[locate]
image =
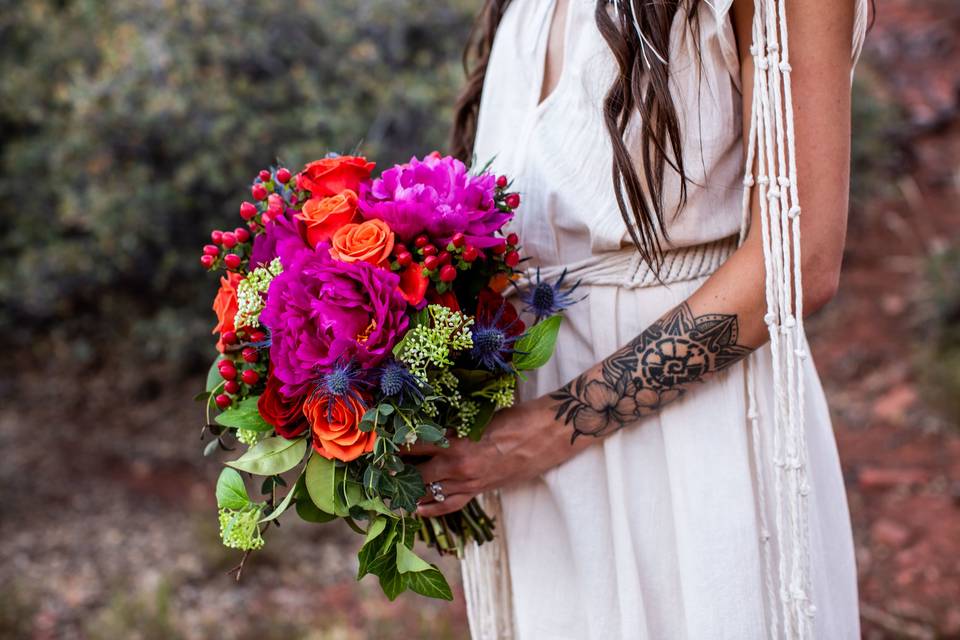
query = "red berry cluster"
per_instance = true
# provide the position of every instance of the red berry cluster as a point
(271, 197)
(240, 367)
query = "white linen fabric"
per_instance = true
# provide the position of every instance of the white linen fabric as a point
(655, 531)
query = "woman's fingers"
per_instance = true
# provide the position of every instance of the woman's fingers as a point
(451, 504)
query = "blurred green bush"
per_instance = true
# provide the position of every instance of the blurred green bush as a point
(130, 129)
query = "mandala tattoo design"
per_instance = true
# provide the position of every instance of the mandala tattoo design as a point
(654, 369)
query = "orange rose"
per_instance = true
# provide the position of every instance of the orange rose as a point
(330, 176)
(370, 241)
(225, 305)
(323, 216)
(334, 423)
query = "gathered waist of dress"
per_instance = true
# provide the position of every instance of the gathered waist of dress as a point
(627, 269)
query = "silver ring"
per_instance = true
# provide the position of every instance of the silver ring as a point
(437, 490)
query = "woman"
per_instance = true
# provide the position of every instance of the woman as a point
(641, 478)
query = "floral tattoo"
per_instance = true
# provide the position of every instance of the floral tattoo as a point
(651, 371)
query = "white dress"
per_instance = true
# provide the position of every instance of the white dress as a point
(655, 531)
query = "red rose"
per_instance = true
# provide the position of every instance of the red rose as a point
(330, 176)
(413, 284)
(447, 299)
(284, 414)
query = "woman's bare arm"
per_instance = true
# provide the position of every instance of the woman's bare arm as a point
(721, 322)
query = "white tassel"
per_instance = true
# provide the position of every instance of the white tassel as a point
(486, 581)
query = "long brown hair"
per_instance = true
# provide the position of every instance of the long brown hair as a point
(641, 86)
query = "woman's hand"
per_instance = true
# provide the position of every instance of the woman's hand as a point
(519, 444)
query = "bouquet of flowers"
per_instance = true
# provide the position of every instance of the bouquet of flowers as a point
(356, 316)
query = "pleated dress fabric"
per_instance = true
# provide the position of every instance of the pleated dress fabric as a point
(655, 531)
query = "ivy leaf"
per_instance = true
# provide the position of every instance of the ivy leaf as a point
(407, 489)
(430, 583)
(245, 416)
(271, 456)
(320, 479)
(231, 492)
(535, 347)
(349, 493)
(371, 479)
(409, 562)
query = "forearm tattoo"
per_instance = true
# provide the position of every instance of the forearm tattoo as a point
(651, 371)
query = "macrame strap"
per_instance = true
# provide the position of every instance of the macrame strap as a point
(771, 148)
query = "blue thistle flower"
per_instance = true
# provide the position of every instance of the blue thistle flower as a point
(493, 339)
(397, 381)
(544, 299)
(342, 380)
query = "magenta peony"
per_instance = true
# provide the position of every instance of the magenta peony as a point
(321, 312)
(436, 196)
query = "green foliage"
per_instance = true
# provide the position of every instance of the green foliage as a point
(245, 416)
(535, 347)
(133, 128)
(271, 456)
(938, 357)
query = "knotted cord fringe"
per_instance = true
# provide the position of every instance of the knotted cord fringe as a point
(771, 145)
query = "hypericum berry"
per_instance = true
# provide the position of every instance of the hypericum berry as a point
(228, 373)
(470, 253)
(265, 175)
(513, 200)
(248, 210)
(502, 182)
(445, 257)
(232, 387)
(259, 192)
(241, 234)
(257, 336)
(250, 377)
(207, 261)
(512, 259)
(283, 175)
(223, 400)
(232, 261)
(252, 225)
(448, 273)
(458, 240)
(216, 236)
(500, 249)
(211, 249)
(250, 354)
(431, 262)
(513, 239)
(404, 259)
(229, 240)
(399, 248)
(224, 363)
(429, 250)
(421, 242)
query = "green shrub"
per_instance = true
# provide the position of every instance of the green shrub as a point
(130, 129)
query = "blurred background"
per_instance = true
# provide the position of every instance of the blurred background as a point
(129, 129)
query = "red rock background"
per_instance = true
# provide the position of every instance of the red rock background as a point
(104, 534)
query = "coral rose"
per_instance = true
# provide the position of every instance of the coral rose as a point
(225, 305)
(285, 414)
(370, 241)
(322, 217)
(330, 176)
(334, 422)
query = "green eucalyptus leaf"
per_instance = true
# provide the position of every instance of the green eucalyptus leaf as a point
(400, 435)
(320, 479)
(214, 379)
(309, 512)
(430, 433)
(211, 447)
(245, 415)
(483, 418)
(535, 347)
(430, 583)
(280, 508)
(231, 492)
(271, 456)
